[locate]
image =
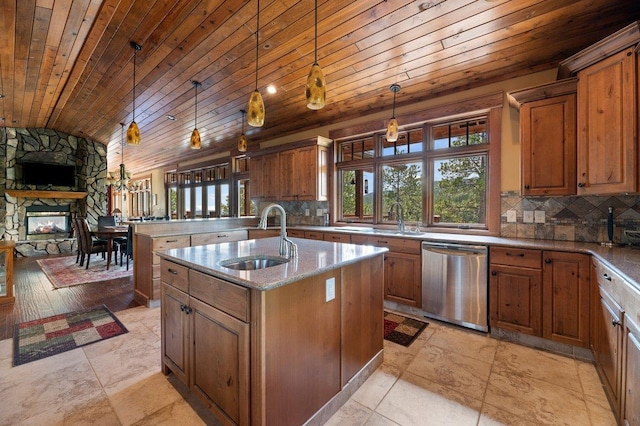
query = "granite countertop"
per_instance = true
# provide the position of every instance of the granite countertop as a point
(625, 260)
(314, 257)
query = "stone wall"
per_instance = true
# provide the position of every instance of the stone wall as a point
(46, 145)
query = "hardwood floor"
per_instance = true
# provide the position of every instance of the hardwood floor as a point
(36, 298)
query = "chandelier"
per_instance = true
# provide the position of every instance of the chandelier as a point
(121, 180)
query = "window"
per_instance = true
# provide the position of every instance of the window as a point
(436, 173)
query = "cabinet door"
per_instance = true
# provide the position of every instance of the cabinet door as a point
(548, 136)
(402, 280)
(631, 390)
(607, 150)
(306, 173)
(606, 343)
(516, 299)
(255, 177)
(175, 332)
(219, 373)
(289, 185)
(270, 177)
(565, 309)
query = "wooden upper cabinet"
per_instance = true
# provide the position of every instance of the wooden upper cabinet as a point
(299, 174)
(548, 137)
(607, 120)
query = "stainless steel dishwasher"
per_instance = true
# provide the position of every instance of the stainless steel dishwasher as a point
(454, 284)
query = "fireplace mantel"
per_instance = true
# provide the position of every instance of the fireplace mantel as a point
(20, 193)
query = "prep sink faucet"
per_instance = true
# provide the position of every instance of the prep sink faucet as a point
(288, 248)
(400, 215)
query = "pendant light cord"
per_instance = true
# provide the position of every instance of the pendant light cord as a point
(394, 104)
(135, 53)
(196, 117)
(315, 57)
(257, 43)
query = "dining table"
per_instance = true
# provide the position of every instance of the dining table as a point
(108, 233)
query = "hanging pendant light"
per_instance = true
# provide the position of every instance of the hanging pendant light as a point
(255, 108)
(133, 132)
(316, 88)
(195, 135)
(242, 142)
(392, 128)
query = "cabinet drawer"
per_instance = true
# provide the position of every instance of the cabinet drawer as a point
(218, 237)
(174, 275)
(265, 233)
(524, 258)
(400, 245)
(314, 235)
(295, 233)
(608, 279)
(230, 298)
(337, 237)
(171, 242)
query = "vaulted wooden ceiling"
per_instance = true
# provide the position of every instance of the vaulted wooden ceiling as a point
(68, 64)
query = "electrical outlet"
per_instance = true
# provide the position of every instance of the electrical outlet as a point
(318, 212)
(306, 212)
(527, 216)
(330, 289)
(511, 216)
(538, 216)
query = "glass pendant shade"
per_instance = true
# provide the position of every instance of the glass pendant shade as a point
(255, 110)
(242, 143)
(316, 89)
(133, 134)
(195, 143)
(392, 130)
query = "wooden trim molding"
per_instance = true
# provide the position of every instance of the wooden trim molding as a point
(452, 109)
(20, 193)
(544, 91)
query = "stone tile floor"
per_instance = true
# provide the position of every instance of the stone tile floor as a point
(448, 376)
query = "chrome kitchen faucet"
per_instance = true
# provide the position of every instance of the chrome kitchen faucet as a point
(288, 248)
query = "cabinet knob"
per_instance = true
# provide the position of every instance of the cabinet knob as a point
(615, 322)
(172, 271)
(547, 261)
(606, 277)
(581, 185)
(527, 187)
(494, 273)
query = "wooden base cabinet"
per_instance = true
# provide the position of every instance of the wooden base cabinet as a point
(631, 380)
(565, 297)
(548, 300)
(205, 347)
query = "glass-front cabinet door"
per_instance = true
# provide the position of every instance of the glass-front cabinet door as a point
(6, 271)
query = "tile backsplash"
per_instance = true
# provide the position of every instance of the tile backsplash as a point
(569, 218)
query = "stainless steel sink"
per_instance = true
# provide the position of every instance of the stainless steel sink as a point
(253, 262)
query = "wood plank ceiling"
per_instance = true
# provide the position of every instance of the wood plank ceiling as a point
(68, 64)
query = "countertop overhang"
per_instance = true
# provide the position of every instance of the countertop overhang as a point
(314, 257)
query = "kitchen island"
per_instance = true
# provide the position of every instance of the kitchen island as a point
(283, 345)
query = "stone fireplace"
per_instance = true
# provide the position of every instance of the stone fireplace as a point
(38, 217)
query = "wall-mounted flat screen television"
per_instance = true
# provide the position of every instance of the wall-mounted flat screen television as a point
(48, 174)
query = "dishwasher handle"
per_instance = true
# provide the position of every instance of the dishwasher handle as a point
(454, 249)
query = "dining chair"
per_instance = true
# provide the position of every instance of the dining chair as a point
(87, 244)
(104, 221)
(125, 245)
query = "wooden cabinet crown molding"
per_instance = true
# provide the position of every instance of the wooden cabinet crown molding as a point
(543, 91)
(626, 37)
(318, 140)
(21, 193)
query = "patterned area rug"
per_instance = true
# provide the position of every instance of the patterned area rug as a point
(64, 272)
(400, 329)
(41, 338)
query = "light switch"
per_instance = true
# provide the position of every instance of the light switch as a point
(511, 216)
(318, 212)
(527, 216)
(331, 289)
(538, 216)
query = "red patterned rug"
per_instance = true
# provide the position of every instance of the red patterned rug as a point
(400, 329)
(64, 272)
(41, 338)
